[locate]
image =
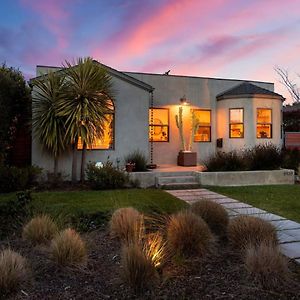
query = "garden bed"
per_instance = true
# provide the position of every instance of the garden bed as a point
(220, 276)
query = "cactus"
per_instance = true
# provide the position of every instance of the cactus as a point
(194, 127)
(179, 124)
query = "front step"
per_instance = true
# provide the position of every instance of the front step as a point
(180, 186)
(180, 181)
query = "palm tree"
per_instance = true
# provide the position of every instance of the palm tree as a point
(47, 126)
(85, 104)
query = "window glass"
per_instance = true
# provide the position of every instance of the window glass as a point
(159, 127)
(236, 123)
(107, 141)
(203, 118)
(264, 123)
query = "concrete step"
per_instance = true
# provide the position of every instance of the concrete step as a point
(171, 174)
(175, 179)
(179, 186)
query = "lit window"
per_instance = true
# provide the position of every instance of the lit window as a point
(203, 119)
(264, 123)
(107, 140)
(159, 124)
(236, 123)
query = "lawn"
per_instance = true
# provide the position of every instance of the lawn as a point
(89, 202)
(283, 200)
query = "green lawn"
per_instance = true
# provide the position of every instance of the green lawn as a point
(283, 200)
(88, 202)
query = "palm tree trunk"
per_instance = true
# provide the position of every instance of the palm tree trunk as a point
(83, 157)
(74, 163)
(55, 166)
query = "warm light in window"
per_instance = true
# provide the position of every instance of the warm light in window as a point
(203, 133)
(236, 123)
(159, 127)
(264, 123)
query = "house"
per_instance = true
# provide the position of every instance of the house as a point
(231, 114)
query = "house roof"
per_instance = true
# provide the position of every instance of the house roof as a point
(248, 90)
(115, 73)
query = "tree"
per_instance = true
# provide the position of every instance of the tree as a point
(15, 104)
(85, 104)
(48, 127)
(289, 84)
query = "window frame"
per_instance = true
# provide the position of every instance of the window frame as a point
(271, 124)
(113, 128)
(243, 124)
(204, 109)
(164, 125)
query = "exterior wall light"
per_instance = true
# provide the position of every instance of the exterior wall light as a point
(184, 101)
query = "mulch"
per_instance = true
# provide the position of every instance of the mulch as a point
(221, 275)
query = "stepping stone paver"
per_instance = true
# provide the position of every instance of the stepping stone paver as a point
(288, 231)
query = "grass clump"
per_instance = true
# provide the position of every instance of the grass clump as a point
(244, 231)
(139, 160)
(40, 229)
(127, 224)
(214, 214)
(68, 249)
(13, 271)
(188, 235)
(266, 265)
(138, 268)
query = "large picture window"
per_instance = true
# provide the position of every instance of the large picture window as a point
(159, 125)
(264, 123)
(107, 141)
(236, 123)
(203, 133)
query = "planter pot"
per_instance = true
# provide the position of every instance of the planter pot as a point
(187, 159)
(129, 167)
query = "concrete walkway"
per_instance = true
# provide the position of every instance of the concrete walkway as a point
(288, 231)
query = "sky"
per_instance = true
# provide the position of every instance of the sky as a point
(240, 39)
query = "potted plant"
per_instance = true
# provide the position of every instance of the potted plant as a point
(186, 157)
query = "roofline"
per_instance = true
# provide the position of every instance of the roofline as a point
(258, 95)
(201, 77)
(114, 72)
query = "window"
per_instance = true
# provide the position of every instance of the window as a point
(264, 123)
(159, 124)
(236, 123)
(203, 119)
(107, 141)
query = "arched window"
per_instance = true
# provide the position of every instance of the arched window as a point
(107, 141)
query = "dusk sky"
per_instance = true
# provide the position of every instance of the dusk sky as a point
(241, 39)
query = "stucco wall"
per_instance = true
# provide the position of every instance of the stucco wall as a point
(131, 130)
(201, 92)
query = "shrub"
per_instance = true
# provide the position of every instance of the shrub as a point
(214, 214)
(14, 212)
(225, 161)
(16, 179)
(105, 177)
(138, 269)
(266, 265)
(291, 159)
(13, 271)
(40, 229)
(68, 249)
(244, 231)
(127, 224)
(139, 159)
(263, 157)
(188, 235)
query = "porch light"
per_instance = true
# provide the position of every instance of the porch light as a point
(184, 101)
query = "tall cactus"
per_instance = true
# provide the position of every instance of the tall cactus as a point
(179, 124)
(194, 127)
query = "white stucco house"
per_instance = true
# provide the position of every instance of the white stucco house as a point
(236, 113)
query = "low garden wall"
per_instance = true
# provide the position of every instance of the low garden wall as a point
(239, 178)
(236, 178)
